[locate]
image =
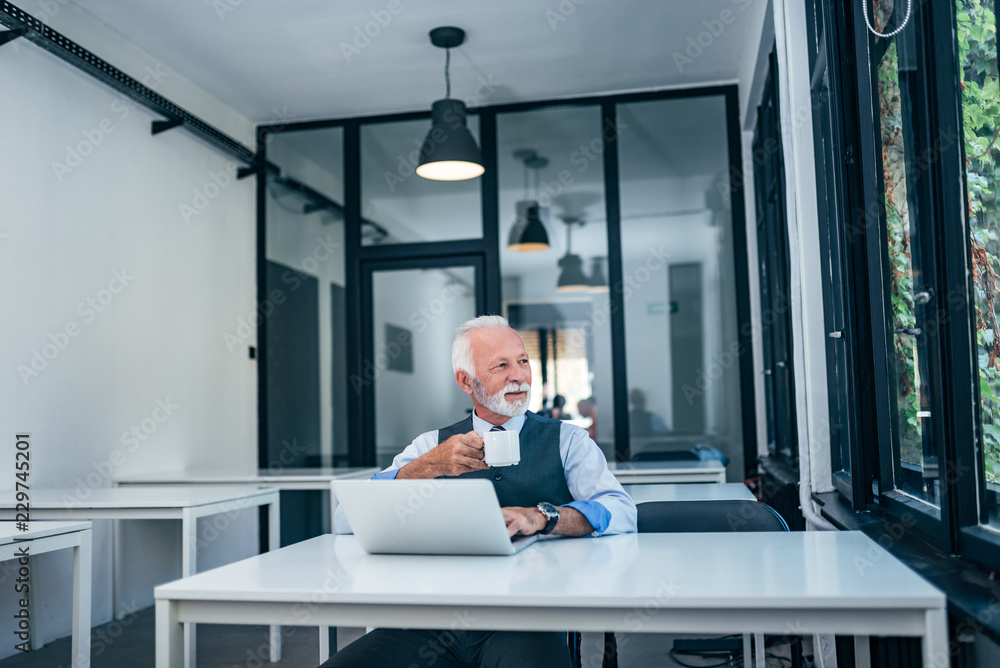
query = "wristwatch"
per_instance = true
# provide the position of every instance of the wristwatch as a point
(551, 514)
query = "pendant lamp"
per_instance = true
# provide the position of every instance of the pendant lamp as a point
(528, 232)
(449, 152)
(597, 282)
(571, 278)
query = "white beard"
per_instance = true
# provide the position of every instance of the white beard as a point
(498, 403)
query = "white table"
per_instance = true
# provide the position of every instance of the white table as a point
(160, 502)
(42, 537)
(658, 472)
(692, 491)
(781, 583)
(280, 478)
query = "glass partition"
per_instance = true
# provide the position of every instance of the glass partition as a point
(681, 327)
(304, 305)
(397, 206)
(550, 166)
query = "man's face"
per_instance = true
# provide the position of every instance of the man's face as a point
(503, 374)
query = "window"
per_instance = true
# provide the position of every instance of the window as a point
(977, 53)
(773, 260)
(906, 130)
(906, 249)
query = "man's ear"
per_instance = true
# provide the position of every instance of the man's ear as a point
(464, 381)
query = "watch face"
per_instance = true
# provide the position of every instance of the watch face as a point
(551, 512)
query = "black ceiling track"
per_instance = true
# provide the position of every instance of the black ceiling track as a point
(57, 44)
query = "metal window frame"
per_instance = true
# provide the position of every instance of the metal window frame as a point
(358, 257)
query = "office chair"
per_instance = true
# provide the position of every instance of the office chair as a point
(702, 517)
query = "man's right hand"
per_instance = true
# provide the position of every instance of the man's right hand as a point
(459, 454)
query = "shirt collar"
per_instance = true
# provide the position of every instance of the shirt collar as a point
(482, 426)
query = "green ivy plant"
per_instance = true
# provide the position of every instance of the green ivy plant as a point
(900, 261)
(977, 50)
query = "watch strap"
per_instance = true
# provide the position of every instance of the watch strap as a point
(551, 512)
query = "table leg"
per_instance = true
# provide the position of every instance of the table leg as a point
(935, 643)
(274, 540)
(82, 573)
(862, 652)
(116, 564)
(324, 643)
(189, 566)
(760, 650)
(747, 650)
(169, 636)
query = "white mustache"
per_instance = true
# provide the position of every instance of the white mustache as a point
(516, 387)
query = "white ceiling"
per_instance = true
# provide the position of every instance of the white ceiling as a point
(262, 55)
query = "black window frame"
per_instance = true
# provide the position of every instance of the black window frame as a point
(360, 425)
(953, 382)
(774, 261)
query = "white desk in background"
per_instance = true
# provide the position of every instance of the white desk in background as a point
(797, 582)
(633, 473)
(283, 479)
(41, 537)
(159, 502)
(692, 491)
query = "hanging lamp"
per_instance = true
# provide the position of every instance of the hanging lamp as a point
(571, 278)
(528, 232)
(449, 152)
(597, 282)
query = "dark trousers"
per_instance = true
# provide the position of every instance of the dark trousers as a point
(418, 648)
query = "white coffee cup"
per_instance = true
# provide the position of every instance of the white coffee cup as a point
(502, 448)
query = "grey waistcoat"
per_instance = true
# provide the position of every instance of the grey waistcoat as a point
(540, 475)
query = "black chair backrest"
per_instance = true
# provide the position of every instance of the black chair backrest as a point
(665, 456)
(708, 516)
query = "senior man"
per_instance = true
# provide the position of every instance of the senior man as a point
(562, 486)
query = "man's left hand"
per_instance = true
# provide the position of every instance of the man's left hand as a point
(530, 521)
(527, 521)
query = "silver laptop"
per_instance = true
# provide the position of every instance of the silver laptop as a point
(427, 517)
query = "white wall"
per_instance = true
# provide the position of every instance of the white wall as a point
(108, 226)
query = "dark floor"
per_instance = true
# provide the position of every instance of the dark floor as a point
(129, 644)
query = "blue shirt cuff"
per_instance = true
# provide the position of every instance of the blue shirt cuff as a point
(385, 475)
(598, 516)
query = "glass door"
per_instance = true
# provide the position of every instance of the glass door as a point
(412, 310)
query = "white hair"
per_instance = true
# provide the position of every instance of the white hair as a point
(461, 347)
